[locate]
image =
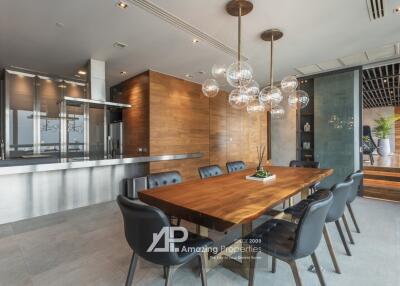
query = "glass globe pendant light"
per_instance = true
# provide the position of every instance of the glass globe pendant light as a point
(210, 87)
(289, 84)
(271, 95)
(238, 98)
(298, 99)
(277, 112)
(218, 71)
(253, 89)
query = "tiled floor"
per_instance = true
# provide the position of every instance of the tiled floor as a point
(87, 247)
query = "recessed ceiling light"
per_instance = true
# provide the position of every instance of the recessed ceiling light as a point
(77, 75)
(188, 75)
(60, 25)
(122, 5)
(82, 72)
(195, 41)
(384, 80)
(397, 10)
(123, 73)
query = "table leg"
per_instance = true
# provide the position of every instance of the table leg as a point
(203, 231)
(304, 193)
(242, 267)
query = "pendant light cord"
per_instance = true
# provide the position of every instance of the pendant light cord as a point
(271, 70)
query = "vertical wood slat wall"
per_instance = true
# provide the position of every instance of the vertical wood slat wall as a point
(397, 131)
(171, 116)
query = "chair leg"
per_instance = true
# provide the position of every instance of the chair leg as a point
(252, 268)
(371, 159)
(165, 268)
(295, 272)
(170, 273)
(273, 265)
(203, 272)
(346, 226)
(132, 267)
(318, 269)
(330, 249)
(346, 247)
(178, 222)
(353, 218)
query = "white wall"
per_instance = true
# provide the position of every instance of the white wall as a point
(283, 138)
(370, 114)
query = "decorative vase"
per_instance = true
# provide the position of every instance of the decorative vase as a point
(384, 147)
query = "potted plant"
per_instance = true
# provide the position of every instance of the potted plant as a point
(382, 130)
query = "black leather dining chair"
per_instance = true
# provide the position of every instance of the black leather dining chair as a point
(288, 241)
(210, 171)
(156, 180)
(336, 212)
(141, 223)
(368, 143)
(303, 164)
(235, 166)
(358, 177)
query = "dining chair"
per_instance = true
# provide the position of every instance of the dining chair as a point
(288, 241)
(156, 180)
(303, 164)
(336, 212)
(235, 166)
(141, 224)
(210, 171)
(358, 177)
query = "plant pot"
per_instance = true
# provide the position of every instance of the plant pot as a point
(384, 147)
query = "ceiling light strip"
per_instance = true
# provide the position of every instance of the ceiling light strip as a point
(180, 24)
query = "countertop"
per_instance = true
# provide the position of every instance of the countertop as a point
(20, 166)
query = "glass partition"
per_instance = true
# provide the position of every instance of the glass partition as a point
(21, 90)
(49, 93)
(336, 121)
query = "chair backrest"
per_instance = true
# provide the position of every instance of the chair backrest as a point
(367, 133)
(357, 177)
(311, 224)
(235, 166)
(210, 171)
(141, 222)
(163, 179)
(304, 164)
(340, 194)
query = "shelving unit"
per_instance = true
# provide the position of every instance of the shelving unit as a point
(304, 116)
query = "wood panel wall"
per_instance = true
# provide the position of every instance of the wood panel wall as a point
(181, 120)
(135, 91)
(397, 131)
(179, 123)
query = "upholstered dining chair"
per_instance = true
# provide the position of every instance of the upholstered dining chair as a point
(303, 164)
(235, 166)
(141, 222)
(288, 241)
(336, 212)
(210, 171)
(156, 180)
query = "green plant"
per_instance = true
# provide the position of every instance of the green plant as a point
(384, 126)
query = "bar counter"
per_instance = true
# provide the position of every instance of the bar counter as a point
(35, 187)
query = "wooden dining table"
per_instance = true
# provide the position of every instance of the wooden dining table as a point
(223, 202)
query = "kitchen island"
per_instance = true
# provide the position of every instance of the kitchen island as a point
(42, 186)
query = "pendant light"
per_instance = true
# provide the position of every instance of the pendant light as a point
(239, 74)
(271, 95)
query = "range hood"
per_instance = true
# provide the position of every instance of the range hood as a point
(96, 88)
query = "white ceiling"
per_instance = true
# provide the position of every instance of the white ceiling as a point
(316, 32)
